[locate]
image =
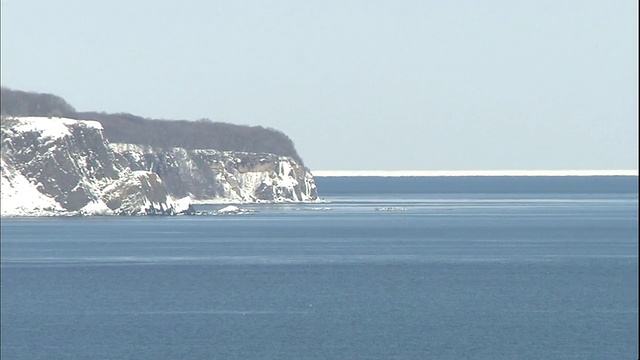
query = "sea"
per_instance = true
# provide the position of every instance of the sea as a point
(479, 267)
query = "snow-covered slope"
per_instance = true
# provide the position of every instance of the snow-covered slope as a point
(19, 196)
(54, 165)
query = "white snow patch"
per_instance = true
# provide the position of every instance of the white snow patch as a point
(233, 210)
(51, 127)
(181, 205)
(249, 182)
(19, 197)
(96, 208)
(284, 178)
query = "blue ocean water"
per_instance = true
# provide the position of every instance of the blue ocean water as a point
(387, 268)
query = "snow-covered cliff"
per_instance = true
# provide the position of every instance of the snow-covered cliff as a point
(56, 165)
(215, 176)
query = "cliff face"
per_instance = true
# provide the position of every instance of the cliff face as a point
(67, 166)
(210, 175)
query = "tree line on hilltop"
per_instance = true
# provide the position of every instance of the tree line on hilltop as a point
(128, 128)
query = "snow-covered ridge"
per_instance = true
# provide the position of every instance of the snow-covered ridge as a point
(54, 166)
(51, 127)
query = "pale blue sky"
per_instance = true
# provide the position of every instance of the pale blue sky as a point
(357, 85)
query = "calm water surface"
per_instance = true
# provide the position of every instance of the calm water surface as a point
(371, 274)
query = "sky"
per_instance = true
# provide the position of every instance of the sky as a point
(357, 85)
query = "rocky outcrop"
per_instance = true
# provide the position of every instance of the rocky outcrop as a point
(67, 166)
(138, 191)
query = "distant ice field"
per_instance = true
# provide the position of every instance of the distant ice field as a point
(452, 187)
(398, 173)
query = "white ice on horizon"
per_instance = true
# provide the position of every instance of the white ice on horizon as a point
(407, 173)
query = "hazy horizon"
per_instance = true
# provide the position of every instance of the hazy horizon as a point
(396, 86)
(408, 173)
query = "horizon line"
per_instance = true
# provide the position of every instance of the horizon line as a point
(409, 173)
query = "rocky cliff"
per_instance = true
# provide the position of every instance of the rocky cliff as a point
(57, 165)
(210, 175)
